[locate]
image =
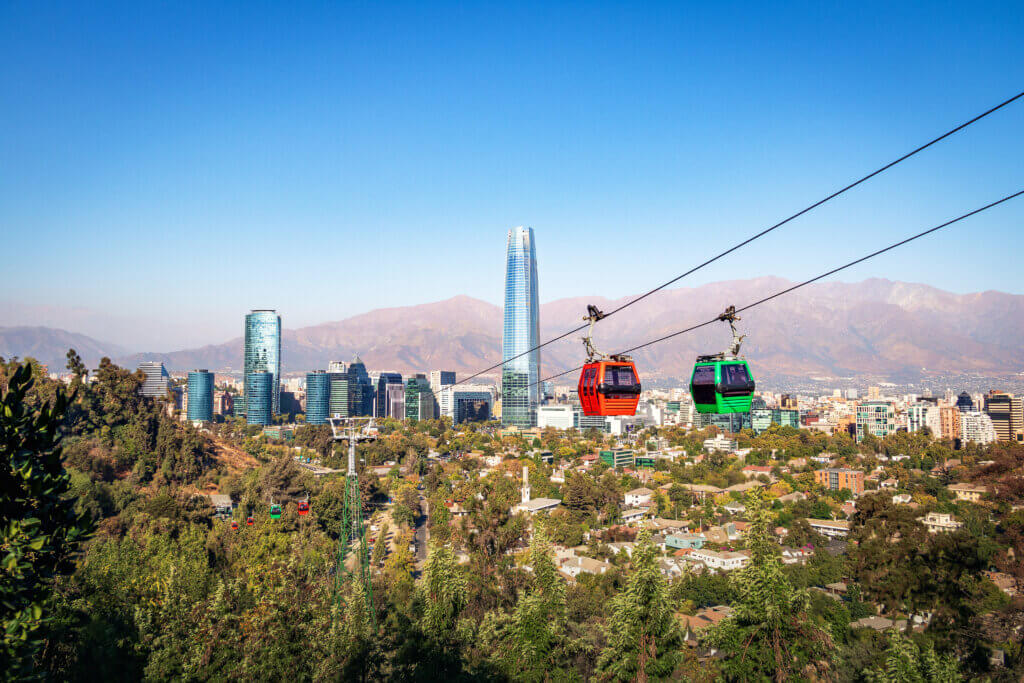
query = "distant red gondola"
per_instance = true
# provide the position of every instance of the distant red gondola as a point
(249, 521)
(609, 385)
(303, 507)
(234, 525)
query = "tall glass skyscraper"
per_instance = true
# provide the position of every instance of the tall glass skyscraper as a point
(381, 398)
(200, 396)
(263, 351)
(318, 397)
(520, 392)
(259, 402)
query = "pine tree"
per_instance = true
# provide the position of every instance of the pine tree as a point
(443, 592)
(770, 634)
(644, 636)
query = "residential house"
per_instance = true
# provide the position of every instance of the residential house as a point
(938, 522)
(969, 492)
(832, 528)
(639, 497)
(677, 541)
(720, 560)
(574, 566)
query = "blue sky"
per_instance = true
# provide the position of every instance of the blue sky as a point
(164, 167)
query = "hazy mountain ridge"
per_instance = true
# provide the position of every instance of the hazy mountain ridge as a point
(838, 329)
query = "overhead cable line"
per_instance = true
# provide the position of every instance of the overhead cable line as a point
(806, 282)
(755, 236)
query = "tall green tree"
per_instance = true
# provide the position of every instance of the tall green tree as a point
(644, 637)
(770, 634)
(39, 528)
(538, 621)
(905, 662)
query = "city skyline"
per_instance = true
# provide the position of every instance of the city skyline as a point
(139, 161)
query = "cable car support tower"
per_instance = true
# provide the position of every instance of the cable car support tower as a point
(352, 539)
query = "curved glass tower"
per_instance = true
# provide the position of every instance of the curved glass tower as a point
(520, 393)
(200, 396)
(259, 401)
(263, 351)
(318, 397)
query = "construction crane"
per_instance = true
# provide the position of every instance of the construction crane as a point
(353, 536)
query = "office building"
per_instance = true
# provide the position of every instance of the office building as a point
(520, 393)
(977, 427)
(337, 367)
(318, 397)
(360, 389)
(157, 379)
(263, 351)
(395, 401)
(467, 402)
(964, 403)
(877, 418)
(559, 417)
(839, 479)
(200, 396)
(260, 398)
(1006, 413)
(341, 401)
(441, 378)
(419, 400)
(617, 458)
(380, 400)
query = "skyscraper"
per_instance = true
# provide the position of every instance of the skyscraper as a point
(520, 393)
(260, 398)
(156, 382)
(318, 397)
(200, 396)
(360, 389)
(381, 398)
(263, 351)
(441, 378)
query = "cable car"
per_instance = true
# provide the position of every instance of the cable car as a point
(275, 511)
(234, 525)
(249, 521)
(304, 507)
(609, 385)
(722, 382)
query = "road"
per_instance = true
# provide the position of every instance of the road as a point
(422, 534)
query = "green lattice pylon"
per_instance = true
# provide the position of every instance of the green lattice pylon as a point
(353, 541)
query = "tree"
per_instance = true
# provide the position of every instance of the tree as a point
(39, 528)
(643, 635)
(443, 593)
(770, 634)
(539, 617)
(906, 663)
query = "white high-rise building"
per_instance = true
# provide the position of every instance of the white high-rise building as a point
(923, 415)
(977, 427)
(464, 402)
(440, 379)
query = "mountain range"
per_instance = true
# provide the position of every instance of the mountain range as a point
(875, 327)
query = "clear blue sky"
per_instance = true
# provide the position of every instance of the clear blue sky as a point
(164, 167)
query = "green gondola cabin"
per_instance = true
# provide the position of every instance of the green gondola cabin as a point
(721, 385)
(275, 511)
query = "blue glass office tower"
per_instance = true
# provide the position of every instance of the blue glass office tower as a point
(263, 351)
(381, 401)
(318, 397)
(360, 389)
(259, 400)
(520, 393)
(200, 396)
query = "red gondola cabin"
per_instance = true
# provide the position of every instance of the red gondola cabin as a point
(609, 388)
(303, 507)
(249, 521)
(234, 525)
